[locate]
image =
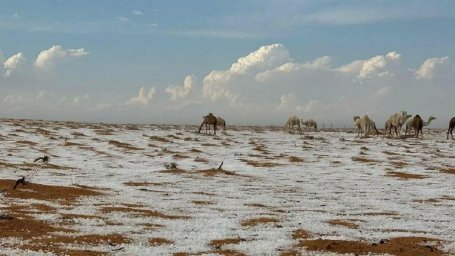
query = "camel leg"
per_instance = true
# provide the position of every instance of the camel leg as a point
(214, 129)
(200, 127)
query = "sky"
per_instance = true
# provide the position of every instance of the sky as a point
(252, 62)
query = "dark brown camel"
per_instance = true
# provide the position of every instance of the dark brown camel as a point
(451, 126)
(417, 125)
(209, 119)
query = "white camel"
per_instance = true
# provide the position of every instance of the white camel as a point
(395, 121)
(293, 120)
(410, 120)
(364, 125)
(310, 123)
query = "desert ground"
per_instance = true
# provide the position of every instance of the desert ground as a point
(166, 190)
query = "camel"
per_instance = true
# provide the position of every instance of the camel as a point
(221, 122)
(410, 120)
(310, 123)
(293, 120)
(396, 121)
(417, 125)
(209, 119)
(451, 126)
(364, 125)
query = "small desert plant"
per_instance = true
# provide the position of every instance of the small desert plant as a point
(172, 165)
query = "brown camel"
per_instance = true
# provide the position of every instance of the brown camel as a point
(209, 119)
(417, 125)
(451, 126)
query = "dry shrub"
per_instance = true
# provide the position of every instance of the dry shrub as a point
(294, 159)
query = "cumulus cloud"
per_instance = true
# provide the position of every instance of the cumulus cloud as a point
(180, 92)
(266, 57)
(321, 63)
(288, 103)
(216, 84)
(13, 63)
(430, 67)
(143, 98)
(49, 58)
(377, 66)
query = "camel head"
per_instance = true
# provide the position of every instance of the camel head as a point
(431, 118)
(403, 112)
(356, 117)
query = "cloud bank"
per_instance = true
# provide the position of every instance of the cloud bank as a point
(263, 87)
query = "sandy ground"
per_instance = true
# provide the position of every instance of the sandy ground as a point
(166, 190)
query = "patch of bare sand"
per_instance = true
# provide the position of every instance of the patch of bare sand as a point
(67, 195)
(344, 223)
(448, 170)
(258, 221)
(158, 241)
(405, 176)
(142, 184)
(260, 163)
(399, 246)
(141, 212)
(123, 145)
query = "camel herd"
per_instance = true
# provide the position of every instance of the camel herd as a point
(364, 124)
(394, 124)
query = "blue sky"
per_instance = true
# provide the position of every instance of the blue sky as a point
(173, 61)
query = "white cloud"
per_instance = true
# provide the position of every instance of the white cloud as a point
(47, 59)
(77, 100)
(123, 19)
(216, 84)
(321, 63)
(180, 92)
(101, 107)
(430, 67)
(12, 63)
(143, 98)
(137, 12)
(264, 58)
(288, 102)
(377, 66)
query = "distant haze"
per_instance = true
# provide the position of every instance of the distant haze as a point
(251, 62)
